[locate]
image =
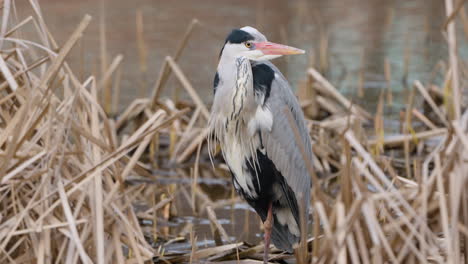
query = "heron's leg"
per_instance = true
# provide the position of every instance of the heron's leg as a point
(267, 225)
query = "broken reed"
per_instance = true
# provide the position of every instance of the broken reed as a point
(68, 172)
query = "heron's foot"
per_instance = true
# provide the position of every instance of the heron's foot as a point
(267, 225)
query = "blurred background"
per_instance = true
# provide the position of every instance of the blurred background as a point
(361, 46)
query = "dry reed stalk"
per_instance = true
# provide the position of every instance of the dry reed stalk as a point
(106, 92)
(165, 71)
(388, 79)
(341, 258)
(395, 140)
(423, 119)
(214, 220)
(116, 92)
(141, 147)
(192, 147)
(464, 21)
(329, 89)
(328, 105)
(379, 126)
(308, 92)
(106, 77)
(323, 51)
(407, 129)
(9, 77)
(98, 189)
(188, 134)
(431, 102)
(452, 47)
(190, 90)
(361, 76)
(142, 51)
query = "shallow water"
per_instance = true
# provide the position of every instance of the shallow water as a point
(360, 37)
(238, 219)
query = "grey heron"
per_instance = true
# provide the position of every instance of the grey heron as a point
(256, 139)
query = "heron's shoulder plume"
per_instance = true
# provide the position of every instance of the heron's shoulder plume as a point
(263, 76)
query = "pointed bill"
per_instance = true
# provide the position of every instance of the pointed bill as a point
(270, 48)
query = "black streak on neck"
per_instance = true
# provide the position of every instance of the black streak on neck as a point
(215, 82)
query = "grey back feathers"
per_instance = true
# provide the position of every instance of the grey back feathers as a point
(280, 144)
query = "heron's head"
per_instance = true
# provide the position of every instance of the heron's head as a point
(250, 43)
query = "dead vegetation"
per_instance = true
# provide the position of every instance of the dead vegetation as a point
(70, 174)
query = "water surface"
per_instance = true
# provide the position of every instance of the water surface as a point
(359, 36)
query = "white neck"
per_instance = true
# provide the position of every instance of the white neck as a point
(227, 68)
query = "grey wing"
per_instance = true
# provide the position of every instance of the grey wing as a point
(280, 144)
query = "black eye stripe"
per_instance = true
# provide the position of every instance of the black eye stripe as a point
(239, 36)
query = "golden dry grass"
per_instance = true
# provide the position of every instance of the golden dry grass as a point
(66, 164)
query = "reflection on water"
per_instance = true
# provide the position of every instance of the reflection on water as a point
(239, 220)
(362, 46)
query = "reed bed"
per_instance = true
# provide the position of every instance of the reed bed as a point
(72, 174)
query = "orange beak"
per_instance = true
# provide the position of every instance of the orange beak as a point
(270, 48)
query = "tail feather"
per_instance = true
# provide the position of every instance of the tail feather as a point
(282, 237)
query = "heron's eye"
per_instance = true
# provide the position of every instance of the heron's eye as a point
(248, 45)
